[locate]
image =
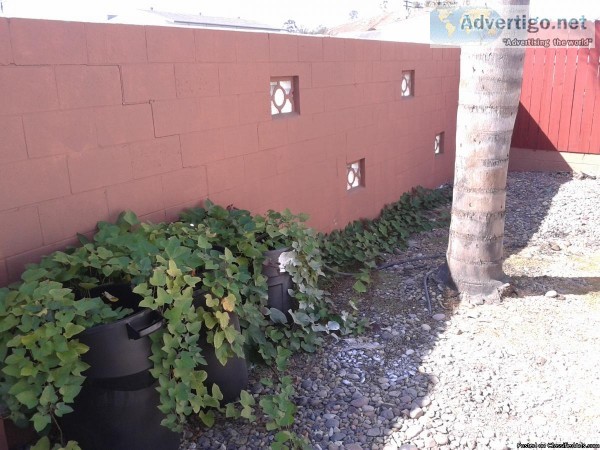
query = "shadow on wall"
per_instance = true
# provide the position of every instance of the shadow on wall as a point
(528, 133)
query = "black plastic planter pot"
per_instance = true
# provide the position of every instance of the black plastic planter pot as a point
(119, 414)
(13, 437)
(117, 408)
(278, 283)
(232, 377)
(121, 348)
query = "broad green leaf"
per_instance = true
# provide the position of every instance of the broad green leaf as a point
(277, 316)
(209, 320)
(272, 426)
(203, 243)
(246, 399)
(266, 382)
(223, 318)
(359, 287)
(104, 253)
(48, 396)
(72, 329)
(33, 274)
(247, 413)
(68, 357)
(231, 411)
(173, 270)
(42, 444)
(8, 322)
(194, 327)
(207, 418)
(163, 297)
(219, 338)
(29, 371)
(40, 422)
(231, 334)
(128, 217)
(191, 281)
(62, 409)
(27, 398)
(228, 255)
(158, 277)
(211, 302)
(222, 354)
(69, 392)
(216, 392)
(282, 436)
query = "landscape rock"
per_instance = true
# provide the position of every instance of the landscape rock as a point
(472, 376)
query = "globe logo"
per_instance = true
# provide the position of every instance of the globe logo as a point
(465, 26)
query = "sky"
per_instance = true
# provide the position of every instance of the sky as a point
(309, 13)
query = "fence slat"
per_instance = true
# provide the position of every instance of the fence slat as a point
(587, 110)
(522, 121)
(560, 100)
(537, 92)
(567, 100)
(578, 99)
(594, 141)
(557, 97)
(542, 139)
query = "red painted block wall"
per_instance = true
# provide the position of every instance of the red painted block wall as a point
(560, 100)
(98, 118)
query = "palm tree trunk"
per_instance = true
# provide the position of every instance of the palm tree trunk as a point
(490, 88)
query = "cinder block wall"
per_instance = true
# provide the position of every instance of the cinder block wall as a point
(98, 118)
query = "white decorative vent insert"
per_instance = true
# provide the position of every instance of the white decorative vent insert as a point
(408, 80)
(284, 95)
(438, 146)
(356, 175)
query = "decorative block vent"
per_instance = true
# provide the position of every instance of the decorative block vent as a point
(284, 95)
(438, 147)
(408, 80)
(356, 175)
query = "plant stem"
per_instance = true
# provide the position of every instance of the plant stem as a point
(60, 432)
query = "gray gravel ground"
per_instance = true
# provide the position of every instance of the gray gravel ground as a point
(524, 371)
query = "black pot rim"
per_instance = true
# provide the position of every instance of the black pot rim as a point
(103, 327)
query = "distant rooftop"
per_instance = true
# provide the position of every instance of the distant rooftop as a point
(368, 24)
(152, 17)
(413, 29)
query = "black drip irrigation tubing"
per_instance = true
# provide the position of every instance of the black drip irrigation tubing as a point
(426, 288)
(415, 259)
(427, 275)
(397, 263)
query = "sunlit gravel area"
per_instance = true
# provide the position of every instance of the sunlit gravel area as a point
(525, 371)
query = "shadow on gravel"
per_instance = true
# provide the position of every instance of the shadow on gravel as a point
(374, 391)
(390, 392)
(524, 216)
(565, 285)
(379, 390)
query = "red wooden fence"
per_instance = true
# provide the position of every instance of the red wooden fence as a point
(560, 100)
